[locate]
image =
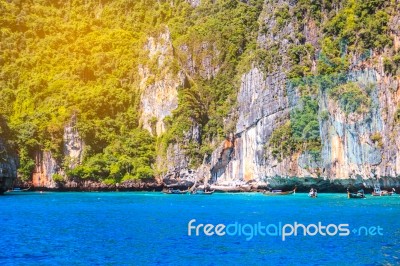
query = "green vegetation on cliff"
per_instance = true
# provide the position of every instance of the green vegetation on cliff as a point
(355, 29)
(300, 134)
(64, 59)
(61, 59)
(351, 98)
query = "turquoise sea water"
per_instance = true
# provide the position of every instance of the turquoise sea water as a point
(152, 228)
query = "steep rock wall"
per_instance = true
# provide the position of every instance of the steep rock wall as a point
(159, 90)
(349, 152)
(46, 165)
(8, 167)
(73, 144)
(177, 162)
(348, 149)
(263, 106)
(200, 59)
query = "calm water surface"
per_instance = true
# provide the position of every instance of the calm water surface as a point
(152, 228)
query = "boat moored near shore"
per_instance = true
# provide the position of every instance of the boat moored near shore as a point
(378, 192)
(313, 193)
(202, 192)
(358, 195)
(17, 189)
(277, 192)
(175, 191)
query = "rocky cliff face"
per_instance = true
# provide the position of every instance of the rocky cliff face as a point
(159, 90)
(73, 144)
(263, 106)
(46, 166)
(8, 168)
(348, 150)
(356, 148)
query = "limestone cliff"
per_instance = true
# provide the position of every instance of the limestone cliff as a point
(46, 166)
(358, 146)
(8, 167)
(263, 107)
(159, 90)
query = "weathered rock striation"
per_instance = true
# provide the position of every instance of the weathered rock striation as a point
(159, 90)
(46, 166)
(8, 167)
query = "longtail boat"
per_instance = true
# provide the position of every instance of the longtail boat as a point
(202, 192)
(378, 192)
(313, 193)
(17, 189)
(359, 195)
(277, 192)
(175, 191)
